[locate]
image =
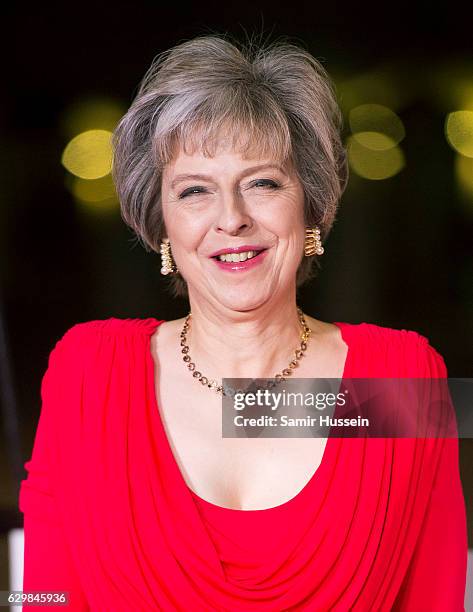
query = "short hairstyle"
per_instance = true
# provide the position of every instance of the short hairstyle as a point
(274, 99)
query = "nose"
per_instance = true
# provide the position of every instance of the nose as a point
(232, 217)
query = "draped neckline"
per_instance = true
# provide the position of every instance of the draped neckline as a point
(329, 455)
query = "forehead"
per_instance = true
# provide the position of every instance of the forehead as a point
(225, 155)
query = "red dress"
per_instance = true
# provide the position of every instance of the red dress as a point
(108, 516)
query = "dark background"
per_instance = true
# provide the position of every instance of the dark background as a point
(399, 254)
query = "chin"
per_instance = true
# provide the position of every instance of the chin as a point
(241, 303)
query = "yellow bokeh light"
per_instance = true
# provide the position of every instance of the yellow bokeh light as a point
(91, 114)
(374, 164)
(376, 118)
(464, 174)
(459, 131)
(89, 154)
(98, 194)
(381, 84)
(374, 141)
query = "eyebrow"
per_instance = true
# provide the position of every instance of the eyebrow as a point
(205, 177)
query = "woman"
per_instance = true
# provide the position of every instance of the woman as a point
(230, 163)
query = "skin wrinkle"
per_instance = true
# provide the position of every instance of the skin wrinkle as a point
(182, 177)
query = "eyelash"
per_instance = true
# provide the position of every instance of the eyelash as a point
(269, 184)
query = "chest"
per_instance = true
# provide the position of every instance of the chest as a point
(242, 473)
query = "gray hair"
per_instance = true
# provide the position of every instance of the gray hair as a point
(275, 99)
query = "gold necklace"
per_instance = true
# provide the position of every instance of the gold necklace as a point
(230, 391)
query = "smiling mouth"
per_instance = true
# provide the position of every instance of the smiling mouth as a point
(237, 257)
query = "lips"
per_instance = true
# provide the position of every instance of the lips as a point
(240, 249)
(255, 251)
(241, 266)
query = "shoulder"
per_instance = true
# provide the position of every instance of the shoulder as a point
(113, 325)
(400, 352)
(83, 342)
(382, 333)
(90, 347)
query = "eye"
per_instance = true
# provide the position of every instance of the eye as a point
(265, 183)
(191, 191)
(268, 183)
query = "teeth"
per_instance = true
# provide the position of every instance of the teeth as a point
(234, 257)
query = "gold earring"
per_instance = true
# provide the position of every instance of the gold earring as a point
(167, 261)
(313, 244)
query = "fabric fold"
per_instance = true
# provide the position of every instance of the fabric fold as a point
(103, 479)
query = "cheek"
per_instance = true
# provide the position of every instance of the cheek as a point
(287, 209)
(285, 221)
(186, 231)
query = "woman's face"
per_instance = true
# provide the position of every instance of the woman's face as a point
(227, 202)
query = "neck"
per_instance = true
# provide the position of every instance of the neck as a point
(253, 344)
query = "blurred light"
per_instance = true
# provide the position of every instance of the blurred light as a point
(89, 155)
(383, 85)
(374, 141)
(459, 131)
(375, 126)
(98, 113)
(98, 194)
(374, 164)
(464, 174)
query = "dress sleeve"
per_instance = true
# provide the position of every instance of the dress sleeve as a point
(436, 578)
(48, 565)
